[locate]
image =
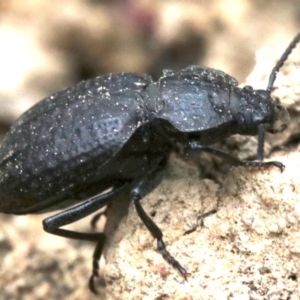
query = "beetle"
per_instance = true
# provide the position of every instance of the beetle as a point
(117, 132)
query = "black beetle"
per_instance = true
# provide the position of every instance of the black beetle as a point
(117, 132)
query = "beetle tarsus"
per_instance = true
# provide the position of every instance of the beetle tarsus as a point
(96, 257)
(161, 246)
(92, 283)
(262, 164)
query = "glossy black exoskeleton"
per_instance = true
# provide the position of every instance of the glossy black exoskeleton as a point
(117, 131)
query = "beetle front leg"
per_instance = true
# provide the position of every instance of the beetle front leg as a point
(146, 185)
(196, 146)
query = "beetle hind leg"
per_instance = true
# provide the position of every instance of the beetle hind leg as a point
(96, 258)
(52, 224)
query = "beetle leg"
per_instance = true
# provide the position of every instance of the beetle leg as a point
(234, 160)
(146, 185)
(78, 212)
(96, 257)
(53, 224)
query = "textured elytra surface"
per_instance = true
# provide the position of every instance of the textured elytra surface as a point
(64, 140)
(88, 112)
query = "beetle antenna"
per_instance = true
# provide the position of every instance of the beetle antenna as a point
(280, 63)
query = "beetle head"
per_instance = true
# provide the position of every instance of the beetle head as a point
(255, 112)
(255, 108)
